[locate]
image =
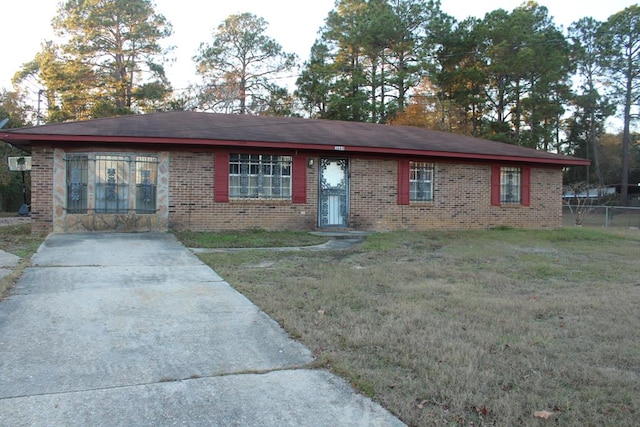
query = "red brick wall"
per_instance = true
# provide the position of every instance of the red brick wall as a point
(462, 198)
(192, 206)
(41, 190)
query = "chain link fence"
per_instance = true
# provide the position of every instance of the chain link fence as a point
(602, 216)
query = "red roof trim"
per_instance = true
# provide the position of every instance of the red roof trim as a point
(564, 161)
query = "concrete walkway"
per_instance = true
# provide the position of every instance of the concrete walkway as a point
(7, 263)
(132, 329)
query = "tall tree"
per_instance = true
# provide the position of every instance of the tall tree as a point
(622, 35)
(458, 71)
(13, 110)
(344, 33)
(429, 109)
(370, 58)
(591, 109)
(239, 65)
(526, 67)
(314, 83)
(406, 54)
(110, 60)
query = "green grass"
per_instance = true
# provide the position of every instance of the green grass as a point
(17, 240)
(454, 328)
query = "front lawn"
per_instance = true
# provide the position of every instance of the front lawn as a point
(467, 328)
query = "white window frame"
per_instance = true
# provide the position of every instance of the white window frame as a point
(510, 186)
(421, 176)
(260, 176)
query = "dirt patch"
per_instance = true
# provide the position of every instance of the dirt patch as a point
(14, 220)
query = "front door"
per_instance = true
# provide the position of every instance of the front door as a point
(333, 200)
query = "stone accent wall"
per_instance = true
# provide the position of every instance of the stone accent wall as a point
(462, 199)
(63, 222)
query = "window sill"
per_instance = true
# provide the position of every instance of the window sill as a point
(511, 205)
(260, 201)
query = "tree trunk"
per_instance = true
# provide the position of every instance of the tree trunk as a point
(626, 135)
(594, 148)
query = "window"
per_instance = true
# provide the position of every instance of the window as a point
(256, 176)
(112, 184)
(420, 182)
(77, 175)
(510, 185)
(119, 183)
(415, 181)
(146, 179)
(510, 190)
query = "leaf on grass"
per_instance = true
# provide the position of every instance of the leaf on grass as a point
(542, 414)
(321, 312)
(422, 404)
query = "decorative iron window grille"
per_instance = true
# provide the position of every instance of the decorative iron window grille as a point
(510, 185)
(112, 184)
(257, 176)
(421, 181)
(146, 184)
(111, 176)
(77, 177)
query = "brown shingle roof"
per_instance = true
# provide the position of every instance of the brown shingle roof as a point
(194, 128)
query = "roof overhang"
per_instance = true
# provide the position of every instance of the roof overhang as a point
(24, 141)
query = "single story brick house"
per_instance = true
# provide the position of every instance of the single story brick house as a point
(202, 171)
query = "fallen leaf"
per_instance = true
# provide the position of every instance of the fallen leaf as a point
(422, 404)
(543, 414)
(321, 312)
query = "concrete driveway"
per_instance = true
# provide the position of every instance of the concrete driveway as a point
(134, 330)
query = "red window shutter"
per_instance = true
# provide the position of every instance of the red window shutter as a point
(221, 177)
(403, 182)
(299, 175)
(526, 186)
(495, 185)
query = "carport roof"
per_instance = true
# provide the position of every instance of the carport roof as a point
(185, 128)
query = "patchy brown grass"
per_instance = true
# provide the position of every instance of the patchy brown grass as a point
(248, 239)
(17, 240)
(467, 328)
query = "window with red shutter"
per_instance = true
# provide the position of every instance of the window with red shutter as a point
(510, 185)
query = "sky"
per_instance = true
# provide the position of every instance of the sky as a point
(25, 24)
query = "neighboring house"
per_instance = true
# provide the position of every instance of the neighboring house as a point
(201, 171)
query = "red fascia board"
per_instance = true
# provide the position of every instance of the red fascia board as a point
(474, 156)
(294, 146)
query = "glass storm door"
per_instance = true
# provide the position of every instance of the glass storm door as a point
(333, 209)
